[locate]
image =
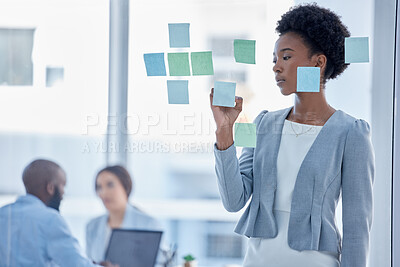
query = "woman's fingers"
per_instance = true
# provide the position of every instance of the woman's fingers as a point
(238, 100)
(238, 103)
(211, 96)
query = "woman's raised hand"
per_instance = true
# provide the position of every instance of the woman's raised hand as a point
(225, 117)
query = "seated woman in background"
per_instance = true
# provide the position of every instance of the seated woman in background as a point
(113, 186)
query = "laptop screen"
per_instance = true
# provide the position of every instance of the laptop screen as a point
(129, 248)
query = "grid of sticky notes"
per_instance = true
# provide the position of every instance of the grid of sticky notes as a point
(245, 135)
(224, 94)
(178, 63)
(244, 51)
(356, 50)
(308, 79)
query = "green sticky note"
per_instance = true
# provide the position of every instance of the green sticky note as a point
(356, 50)
(245, 51)
(202, 63)
(178, 64)
(245, 134)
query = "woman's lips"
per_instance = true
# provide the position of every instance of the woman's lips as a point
(278, 82)
(107, 201)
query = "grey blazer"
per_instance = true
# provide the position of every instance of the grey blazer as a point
(340, 161)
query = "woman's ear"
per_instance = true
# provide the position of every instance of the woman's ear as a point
(320, 61)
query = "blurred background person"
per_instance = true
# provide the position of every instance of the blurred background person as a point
(113, 185)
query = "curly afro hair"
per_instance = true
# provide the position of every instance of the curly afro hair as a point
(322, 32)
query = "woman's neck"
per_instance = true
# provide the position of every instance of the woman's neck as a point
(311, 108)
(116, 217)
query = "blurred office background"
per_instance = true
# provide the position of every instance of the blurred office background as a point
(55, 104)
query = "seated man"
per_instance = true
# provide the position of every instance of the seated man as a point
(32, 231)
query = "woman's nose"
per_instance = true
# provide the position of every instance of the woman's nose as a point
(276, 68)
(100, 193)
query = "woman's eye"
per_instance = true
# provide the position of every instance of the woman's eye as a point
(286, 57)
(274, 61)
(110, 184)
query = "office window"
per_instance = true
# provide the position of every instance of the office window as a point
(53, 96)
(54, 76)
(16, 66)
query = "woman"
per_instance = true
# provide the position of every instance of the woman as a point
(305, 157)
(113, 186)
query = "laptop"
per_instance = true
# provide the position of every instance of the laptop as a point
(133, 248)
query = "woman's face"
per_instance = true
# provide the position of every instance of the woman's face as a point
(290, 52)
(111, 191)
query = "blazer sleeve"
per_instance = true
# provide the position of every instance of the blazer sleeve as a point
(235, 177)
(357, 181)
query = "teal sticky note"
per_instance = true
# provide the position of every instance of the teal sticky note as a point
(155, 65)
(179, 35)
(224, 94)
(245, 51)
(308, 79)
(178, 92)
(202, 63)
(178, 64)
(245, 134)
(356, 50)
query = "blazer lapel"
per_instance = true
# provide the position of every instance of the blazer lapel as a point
(269, 133)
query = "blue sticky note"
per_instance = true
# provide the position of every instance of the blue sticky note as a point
(178, 92)
(155, 64)
(308, 79)
(356, 50)
(224, 94)
(245, 134)
(179, 34)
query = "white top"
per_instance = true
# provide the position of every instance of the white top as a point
(296, 141)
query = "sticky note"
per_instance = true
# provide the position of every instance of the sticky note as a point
(155, 65)
(224, 94)
(178, 92)
(245, 134)
(245, 51)
(308, 79)
(356, 50)
(179, 34)
(178, 64)
(202, 63)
